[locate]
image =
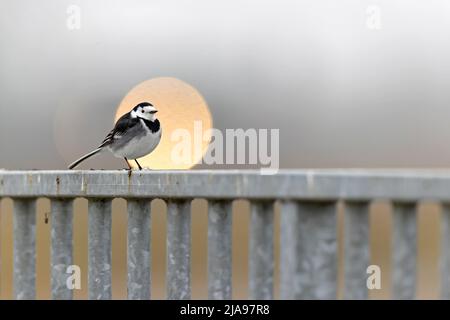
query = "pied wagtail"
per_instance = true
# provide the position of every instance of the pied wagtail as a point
(136, 134)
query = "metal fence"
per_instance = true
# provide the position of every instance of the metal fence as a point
(308, 244)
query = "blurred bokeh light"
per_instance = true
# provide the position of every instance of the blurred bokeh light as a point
(179, 106)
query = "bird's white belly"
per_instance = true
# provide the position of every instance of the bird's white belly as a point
(139, 147)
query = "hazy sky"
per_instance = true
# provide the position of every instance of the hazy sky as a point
(348, 83)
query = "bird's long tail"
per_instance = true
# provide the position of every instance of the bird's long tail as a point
(90, 154)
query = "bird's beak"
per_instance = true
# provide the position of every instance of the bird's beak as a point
(151, 109)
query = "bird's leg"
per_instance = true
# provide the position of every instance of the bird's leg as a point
(128, 164)
(140, 168)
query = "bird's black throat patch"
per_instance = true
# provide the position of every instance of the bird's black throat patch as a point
(153, 126)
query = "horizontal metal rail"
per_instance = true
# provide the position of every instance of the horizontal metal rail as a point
(291, 184)
(308, 252)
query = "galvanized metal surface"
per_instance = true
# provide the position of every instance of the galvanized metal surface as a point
(99, 277)
(178, 249)
(261, 259)
(138, 252)
(399, 185)
(356, 250)
(24, 249)
(61, 234)
(404, 251)
(219, 249)
(308, 264)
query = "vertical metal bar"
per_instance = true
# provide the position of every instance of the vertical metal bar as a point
(356, 250)
(24, 249)
(404, 251)
(61, 232)
(99, 276)
(138, 252)
(1, 243)
(261, 261)
(308, 254)
(219, 249)
(178, 249)
(445, 252)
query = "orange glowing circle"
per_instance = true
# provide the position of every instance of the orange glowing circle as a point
(180, 106)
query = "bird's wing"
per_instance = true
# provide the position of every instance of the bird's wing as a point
(124, 124)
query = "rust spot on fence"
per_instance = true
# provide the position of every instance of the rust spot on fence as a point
(30, 181)
(57, 184)
(129, 180)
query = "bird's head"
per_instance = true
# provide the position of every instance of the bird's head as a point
(144, 110)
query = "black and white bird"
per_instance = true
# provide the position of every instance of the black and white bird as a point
(136, 134)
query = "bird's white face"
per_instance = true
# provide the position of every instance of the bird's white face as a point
(145, 112)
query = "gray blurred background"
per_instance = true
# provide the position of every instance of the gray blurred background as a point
(343, 94)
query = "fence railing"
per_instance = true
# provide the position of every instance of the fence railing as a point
(308, 244)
